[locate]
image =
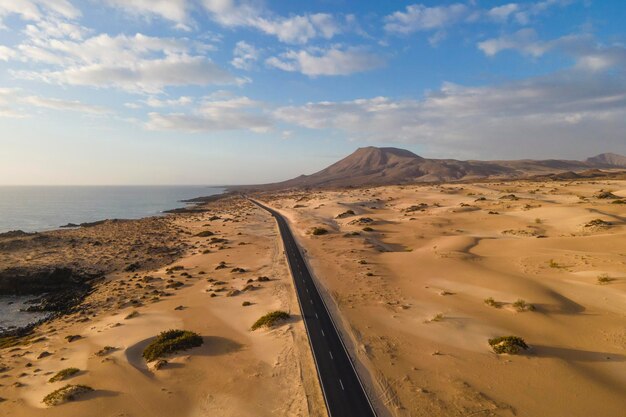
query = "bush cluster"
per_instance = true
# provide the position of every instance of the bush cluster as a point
(171, 341)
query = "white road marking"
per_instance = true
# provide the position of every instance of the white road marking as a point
(331, 354)
(341, 383)
(323, 333)
(316, 316)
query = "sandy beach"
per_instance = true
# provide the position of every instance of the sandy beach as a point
(236, 372)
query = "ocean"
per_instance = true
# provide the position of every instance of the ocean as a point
(39, 208)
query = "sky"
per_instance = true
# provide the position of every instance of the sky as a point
(249, 91)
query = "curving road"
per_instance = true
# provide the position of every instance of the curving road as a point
(341, 386)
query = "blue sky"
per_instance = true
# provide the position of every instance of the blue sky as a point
(226, 91)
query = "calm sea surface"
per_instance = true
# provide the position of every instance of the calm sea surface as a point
(43, 208)
(34, 209)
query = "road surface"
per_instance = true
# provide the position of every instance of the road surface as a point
(342, 389)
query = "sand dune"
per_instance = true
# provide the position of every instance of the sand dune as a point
(411, 292)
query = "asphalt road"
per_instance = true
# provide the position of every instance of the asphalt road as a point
(342, 389)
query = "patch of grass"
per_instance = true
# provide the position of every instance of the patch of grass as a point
(554, 264)
(171, 341)
(270, 319)
(318, 231)
(64, 374)
(604, 279)
(205, 233)
(521, 305)
(436, 317)
(132, 315)
(599, 223)
(106, 350)
(508, 344)
(65, 394)
(492, 303)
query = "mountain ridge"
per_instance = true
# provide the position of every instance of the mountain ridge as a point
(370, 166)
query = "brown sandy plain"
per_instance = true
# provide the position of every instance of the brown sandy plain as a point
(236, 372)
(411, 292)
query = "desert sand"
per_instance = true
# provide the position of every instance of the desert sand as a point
(409, 269)
(236, 372)
(419, 277)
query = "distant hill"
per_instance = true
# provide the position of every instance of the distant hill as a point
(381, 166)
(608, 160)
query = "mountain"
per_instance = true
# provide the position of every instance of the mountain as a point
(608, 160)
(380, 166)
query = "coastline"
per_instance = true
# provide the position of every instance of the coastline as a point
(162, 273)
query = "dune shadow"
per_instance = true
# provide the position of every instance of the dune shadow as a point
(576, 355)
(98, 393)
(212, 346)
(564, 305)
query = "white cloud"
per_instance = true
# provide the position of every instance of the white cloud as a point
(12, 101)
(173, 10)
(6, 53)
(36, 9)
(244, 55)
(588, 55)
(236, 113)
(524, 40)
(142, 76)
(568, 110)
(333, 61)
(502, 13)
(418, 17)
(293, 29)
(58, 104)
(134, 63)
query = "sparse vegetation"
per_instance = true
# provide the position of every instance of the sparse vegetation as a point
(64, 374)
(521, 305)
(508, 344)
(538, 221)
(171, 341)
(436, 317)
(368, 229)
(270, 319)
(132, 315)
(554, 264)
(598, 223)
(105, 350)
(318, 231)
(604, 279)
(246, 303)
(205, 233)
(65, 394)
(492, 303)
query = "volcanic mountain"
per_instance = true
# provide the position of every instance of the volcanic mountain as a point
(381, 166)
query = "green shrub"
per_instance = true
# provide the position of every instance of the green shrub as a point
(205, 233)
(65, 394)
(317, 231)
(132, 315)
(270, 319)
(171, 341)
(492, 303)
(521, 305)
(64, 374)
(507, 344)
